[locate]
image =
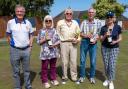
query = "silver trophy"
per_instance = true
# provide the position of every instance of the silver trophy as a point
(109, 35)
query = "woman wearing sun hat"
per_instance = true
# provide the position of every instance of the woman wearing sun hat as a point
(110, 37)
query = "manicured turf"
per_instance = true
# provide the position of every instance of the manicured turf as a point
(121, 82)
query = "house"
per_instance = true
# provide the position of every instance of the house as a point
(78, 15)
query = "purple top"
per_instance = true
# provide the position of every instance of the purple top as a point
(46, 52)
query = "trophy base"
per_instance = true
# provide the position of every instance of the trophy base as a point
(50, 43)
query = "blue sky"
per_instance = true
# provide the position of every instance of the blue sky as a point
(61, 5)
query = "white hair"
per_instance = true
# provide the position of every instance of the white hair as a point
(92, 9)
(49, 18)
(68, 10)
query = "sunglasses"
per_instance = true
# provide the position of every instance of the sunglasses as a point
(68, 13)
(109, 17)
(48, 21)
(91, 12)
(20, 11)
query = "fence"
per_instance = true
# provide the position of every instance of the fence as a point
(36, 22)
(3, 23)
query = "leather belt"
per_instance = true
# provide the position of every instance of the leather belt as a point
(21, 48)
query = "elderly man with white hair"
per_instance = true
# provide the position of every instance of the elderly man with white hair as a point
(20, 37)
(89, 34)
(68, 30)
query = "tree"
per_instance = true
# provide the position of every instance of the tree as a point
(7, 7)
(33, 7)
(103, 6)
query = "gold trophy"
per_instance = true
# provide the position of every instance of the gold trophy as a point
(48, 39)
(91, 31)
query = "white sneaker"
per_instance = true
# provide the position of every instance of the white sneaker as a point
(92, 80)
(80, 80)
(105, 83)
(47, 85)
(55, 82)
(111, 85)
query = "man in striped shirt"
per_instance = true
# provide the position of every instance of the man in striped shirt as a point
(89, 34)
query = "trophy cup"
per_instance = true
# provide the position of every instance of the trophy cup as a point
(49, 41)
(91, 31)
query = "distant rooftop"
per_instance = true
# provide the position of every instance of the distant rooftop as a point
(79, 14)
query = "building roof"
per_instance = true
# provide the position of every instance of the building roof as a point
(122, 18)
(80, 14)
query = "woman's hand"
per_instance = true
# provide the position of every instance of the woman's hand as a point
(113, 42)
(52, 46)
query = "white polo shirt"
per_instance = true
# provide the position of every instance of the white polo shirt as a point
(19, 32)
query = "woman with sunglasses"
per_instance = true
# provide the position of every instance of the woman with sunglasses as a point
(110, 37)
(48, 40)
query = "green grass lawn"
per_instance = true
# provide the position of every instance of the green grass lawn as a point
(6, 80)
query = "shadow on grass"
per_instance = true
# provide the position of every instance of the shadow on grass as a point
(59, 72)
(99, 74)
(32, 77)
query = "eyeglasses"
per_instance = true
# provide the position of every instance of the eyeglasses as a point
(48, 21)
(68, 13)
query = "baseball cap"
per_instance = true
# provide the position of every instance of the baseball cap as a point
(110, 14)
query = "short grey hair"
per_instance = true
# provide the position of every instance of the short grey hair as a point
(20, 6)
(92, 9)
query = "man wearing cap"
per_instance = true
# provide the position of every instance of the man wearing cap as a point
(110, 37)
(68, 30)
(89, 34)
(20, 37)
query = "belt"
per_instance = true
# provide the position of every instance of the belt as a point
(21, 48)
(67, 41)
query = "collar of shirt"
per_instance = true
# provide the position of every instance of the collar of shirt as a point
(93, 22)
(23, 22)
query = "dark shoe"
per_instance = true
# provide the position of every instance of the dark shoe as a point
(29, 88)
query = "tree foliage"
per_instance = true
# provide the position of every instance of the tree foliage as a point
(33, 7)
(103, 6)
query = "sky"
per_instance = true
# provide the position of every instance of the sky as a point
(77, 5)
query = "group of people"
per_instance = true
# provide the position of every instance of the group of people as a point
(64, 40)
